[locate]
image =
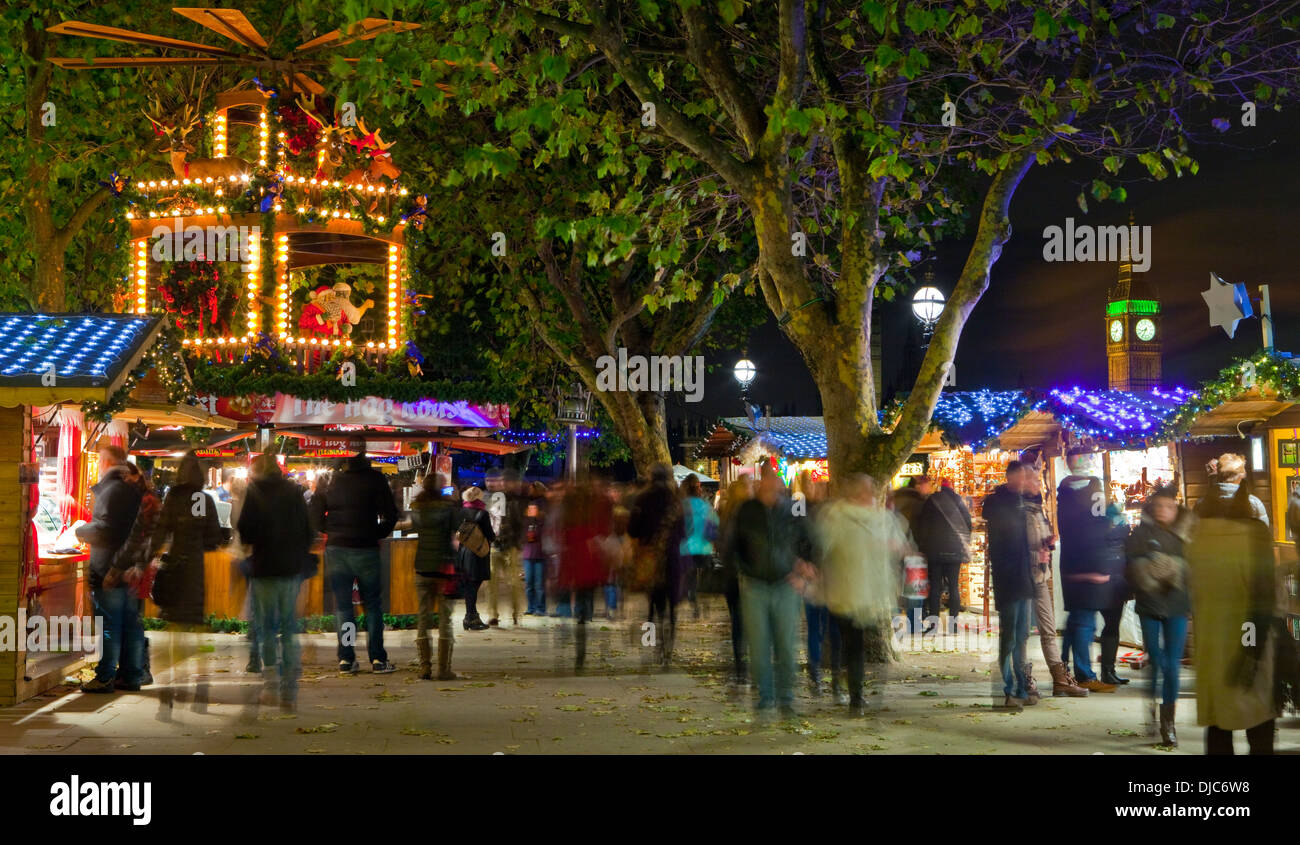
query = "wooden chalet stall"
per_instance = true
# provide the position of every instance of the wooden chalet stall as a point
(49, 362)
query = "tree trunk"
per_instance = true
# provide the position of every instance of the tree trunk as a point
(640, 421)
(51, 286)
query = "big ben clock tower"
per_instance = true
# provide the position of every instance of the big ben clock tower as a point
(1133, 333)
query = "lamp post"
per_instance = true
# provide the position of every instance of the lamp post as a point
(744, 371)
(574, 409)
(927, 305)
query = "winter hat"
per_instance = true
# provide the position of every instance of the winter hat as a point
(472, 494)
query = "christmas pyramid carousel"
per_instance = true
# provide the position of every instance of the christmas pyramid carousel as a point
(273, 239)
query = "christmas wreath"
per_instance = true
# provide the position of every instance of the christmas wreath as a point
(196, 300)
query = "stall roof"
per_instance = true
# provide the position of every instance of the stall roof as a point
(91, 355)
(151, 413)
(795, 437)
(1228, 418)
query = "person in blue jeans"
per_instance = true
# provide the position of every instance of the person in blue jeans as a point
(1010, 559)
(1157, 570)
(275, 523)
(820, 627)
(355, 510)
(344, 566)
(117, 501)
(1092, 563)
(767, 541)
(123, 639)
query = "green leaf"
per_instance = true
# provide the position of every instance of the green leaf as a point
(730, 10)
(875, 13)
(1045, 25)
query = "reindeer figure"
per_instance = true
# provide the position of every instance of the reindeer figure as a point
(329, 149)
(184, 167)
(381, 161)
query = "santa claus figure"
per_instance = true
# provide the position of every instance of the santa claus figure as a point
(343, 311)
(316, 318)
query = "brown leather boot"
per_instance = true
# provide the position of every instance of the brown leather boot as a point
(1064, 684)
(444, 661)
(1167, 734)
(426, 658)
(1096, 685)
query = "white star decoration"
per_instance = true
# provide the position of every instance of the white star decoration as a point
(1229, 304)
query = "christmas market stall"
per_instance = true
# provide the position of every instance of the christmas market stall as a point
(61, 375)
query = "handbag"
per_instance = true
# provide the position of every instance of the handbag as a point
(916, 578)
(167, 586)
(471, 537)
(962, 534)
(310, 565)
(647, 560)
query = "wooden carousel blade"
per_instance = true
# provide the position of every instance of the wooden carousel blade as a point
(138, 61)
(302, 82)
(363, 31)
(228, 22)
(112, 33)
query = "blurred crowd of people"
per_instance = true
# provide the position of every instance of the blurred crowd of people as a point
(854, 568)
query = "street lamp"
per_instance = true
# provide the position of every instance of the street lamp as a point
(927, 305)
(744, 371)
(574, 409)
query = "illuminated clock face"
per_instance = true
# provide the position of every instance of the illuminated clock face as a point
(1146, 329)
(1116, 331)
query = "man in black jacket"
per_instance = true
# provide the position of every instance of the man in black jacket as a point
(1092, 565)
(355, 511)
(1013, 586)
(768, 544)
(274, 522)
(943, 535)
(115, 602)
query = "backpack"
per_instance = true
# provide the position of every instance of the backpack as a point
(471, 537)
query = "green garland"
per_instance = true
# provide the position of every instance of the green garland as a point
(268, 375)
(246, 198)
(165, 357)
(1272, 372)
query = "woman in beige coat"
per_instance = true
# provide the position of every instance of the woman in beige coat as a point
(1234, 611)
(862, 546)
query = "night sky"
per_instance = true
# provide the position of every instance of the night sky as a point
(1041, 324)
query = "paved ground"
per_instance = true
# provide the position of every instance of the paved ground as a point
(523, 697)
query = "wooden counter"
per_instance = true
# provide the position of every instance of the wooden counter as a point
(226, 589)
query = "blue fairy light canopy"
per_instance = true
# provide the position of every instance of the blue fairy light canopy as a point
(797, 438)
(977, 419)
(70, 350)
(1113, 415)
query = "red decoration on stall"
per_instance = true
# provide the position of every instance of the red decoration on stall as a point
(193, 292)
